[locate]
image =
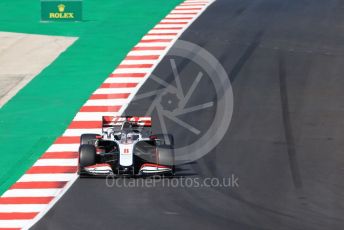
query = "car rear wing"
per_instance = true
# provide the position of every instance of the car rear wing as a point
(117, 121)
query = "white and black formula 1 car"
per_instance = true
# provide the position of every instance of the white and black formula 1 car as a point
(126, 147)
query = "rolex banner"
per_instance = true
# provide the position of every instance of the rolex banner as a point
(61, 10)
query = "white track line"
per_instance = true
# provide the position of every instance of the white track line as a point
(63, 147)
(31, 192)
(159, 36)
(122, 80)
(13, 223)
(146, 52)
(188, 7)
(112, 90)
(175, 21)
(149, 44)
(91, 116)
(164, 31)
(47, 177)
(78, 132)
(137, 62)
(183, 12)
(57, 162)
(22, 207)
(131, 70)
(180, 16)
(106, 102)
(168, 26)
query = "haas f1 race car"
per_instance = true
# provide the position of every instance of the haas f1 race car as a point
(126, 147)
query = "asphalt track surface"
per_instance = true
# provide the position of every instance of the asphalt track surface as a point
(285, 142)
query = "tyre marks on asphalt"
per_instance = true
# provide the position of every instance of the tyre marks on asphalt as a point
(290, 141)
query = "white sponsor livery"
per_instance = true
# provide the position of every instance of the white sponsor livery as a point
(126, 154)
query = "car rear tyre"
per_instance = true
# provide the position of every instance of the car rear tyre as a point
(89, 138)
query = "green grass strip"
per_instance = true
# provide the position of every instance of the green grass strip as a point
(39, 113)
